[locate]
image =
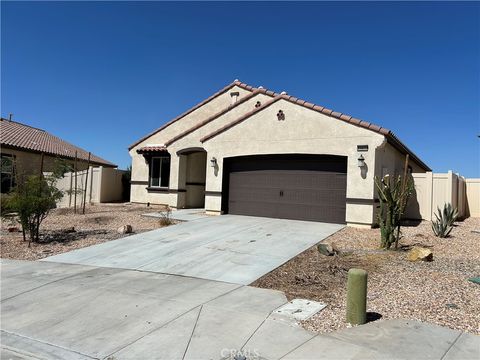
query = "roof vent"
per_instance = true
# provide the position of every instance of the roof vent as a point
(260, 87)
(283, 93)
(236, 80)
(234, 96)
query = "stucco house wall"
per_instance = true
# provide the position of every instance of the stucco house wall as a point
(29, 163)
(303, 131)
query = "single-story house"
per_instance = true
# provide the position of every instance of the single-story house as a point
(26, 150)
(251, 151)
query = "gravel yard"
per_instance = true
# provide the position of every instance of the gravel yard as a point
(98, 225)
(436, 292)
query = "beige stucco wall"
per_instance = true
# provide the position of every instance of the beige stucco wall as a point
(102, 185)
(29, 163)
(303, 131)
(140, 166)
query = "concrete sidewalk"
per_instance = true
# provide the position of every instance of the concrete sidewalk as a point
(60, 311)
(229, 248)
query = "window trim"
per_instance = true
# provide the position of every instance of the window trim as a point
(150, 166)
(11, 173)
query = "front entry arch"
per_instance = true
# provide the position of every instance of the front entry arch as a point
(194, 169)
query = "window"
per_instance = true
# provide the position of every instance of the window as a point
(7, 175)
(160, 171)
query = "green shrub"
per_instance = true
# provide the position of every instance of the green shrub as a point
(393, 195)
(443, 224)
(32, 199)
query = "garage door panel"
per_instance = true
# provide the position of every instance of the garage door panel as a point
(291, 190)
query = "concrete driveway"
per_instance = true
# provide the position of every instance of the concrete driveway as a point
(229, 248)
(63, 311)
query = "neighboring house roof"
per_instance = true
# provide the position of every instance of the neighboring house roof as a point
(24, 137)
(389, 135)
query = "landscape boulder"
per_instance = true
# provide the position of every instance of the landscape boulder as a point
(419, 253)
(327, 249)
(125, 229)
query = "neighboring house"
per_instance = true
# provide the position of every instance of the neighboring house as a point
(22, 147)
(251, 151)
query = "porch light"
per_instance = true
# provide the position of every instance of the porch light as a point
(361, 161)
(213, 162)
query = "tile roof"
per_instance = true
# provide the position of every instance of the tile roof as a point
(220, 113)
(25, 137)
(391, 137)
(151, 148)
(200, 104)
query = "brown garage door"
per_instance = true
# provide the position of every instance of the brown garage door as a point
(300, 187)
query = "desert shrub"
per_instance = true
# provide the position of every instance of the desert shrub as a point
(393, 195)
(166, 217)
(32, 199)
(443, 224)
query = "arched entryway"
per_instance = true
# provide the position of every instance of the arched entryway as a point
(193, 167)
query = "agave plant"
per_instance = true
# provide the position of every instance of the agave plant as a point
(445, 219)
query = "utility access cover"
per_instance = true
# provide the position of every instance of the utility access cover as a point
(300, 309)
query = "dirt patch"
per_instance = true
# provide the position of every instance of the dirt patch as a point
(436, 292)
(63, 230)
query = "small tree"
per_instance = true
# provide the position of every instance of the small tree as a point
(393, 195)
(32, 199)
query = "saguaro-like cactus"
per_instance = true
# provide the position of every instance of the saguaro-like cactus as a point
(393, 195)
(357, 297)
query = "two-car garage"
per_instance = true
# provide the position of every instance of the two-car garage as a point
(298, 186)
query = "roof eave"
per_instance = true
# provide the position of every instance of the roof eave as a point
(20, 148)
(200, 104)
(400, 146)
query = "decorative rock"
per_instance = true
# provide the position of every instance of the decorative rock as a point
(420, 253)
(327, 249)
(125, 229)
(69, 230)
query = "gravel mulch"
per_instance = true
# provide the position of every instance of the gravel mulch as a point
(98, 225)
(436, 292)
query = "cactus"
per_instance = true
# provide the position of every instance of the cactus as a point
(393, 195)
(445, 219)
(357, 296)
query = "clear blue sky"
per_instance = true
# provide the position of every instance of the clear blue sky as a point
(102, 75)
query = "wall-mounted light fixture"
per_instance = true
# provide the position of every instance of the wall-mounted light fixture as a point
(361, 161)
(213, 162)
